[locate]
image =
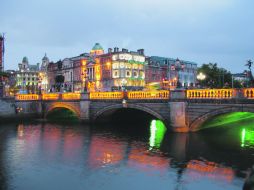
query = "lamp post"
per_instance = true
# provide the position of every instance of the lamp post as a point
(123, 83)
(84, 79)
(201, 77)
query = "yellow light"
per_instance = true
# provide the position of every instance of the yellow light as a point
(27, 97)
(50, 96)
(71, 96)
(106, 95)
(83, 62)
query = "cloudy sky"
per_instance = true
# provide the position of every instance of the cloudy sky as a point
(202, 31)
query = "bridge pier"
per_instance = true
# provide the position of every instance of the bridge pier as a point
(178, 107)
(85, 108)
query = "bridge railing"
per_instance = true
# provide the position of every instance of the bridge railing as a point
(24, 97)
(162, 94)
(210, 94)
(50, 96)
(106, 95)
(248, 93)
(71, 96)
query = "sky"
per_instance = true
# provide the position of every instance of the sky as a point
(202, 31)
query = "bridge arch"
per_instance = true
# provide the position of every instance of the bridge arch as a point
(66, 105)
(197, 123)
(113, 108)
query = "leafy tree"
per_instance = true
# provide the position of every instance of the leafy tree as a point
(216, 77)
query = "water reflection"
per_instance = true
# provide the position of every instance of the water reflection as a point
(247, 137)
(157, 131)
(53, 156)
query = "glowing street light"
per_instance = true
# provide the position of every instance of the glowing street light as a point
(201, 76)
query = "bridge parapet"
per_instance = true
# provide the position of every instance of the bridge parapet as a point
(26, 97)
(106, 95)
(211, 93)
(162, 94)
(249, 93)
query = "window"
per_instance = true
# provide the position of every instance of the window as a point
(128, 73)
(135, 74)
(115, 74)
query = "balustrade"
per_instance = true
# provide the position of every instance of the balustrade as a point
(162, 94)
(249, 93)
(71, 96)
(210, 93)
(27, 97)
(50, 96)
(106, 95)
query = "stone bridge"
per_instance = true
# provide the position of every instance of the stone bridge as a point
(180, 110)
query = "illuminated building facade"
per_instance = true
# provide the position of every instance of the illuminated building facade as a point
(43, 83)
(1, 63)
(164, 72)
(27, 77)
(128, 69)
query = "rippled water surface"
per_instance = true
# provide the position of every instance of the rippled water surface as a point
(77, 156)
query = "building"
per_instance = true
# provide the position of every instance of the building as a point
(243, 78)
(115, 70)
(27, 77)
(1, 64)
(164, 72)
(43, 83)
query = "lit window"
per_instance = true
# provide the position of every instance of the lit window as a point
(116, 74)
(128, 74)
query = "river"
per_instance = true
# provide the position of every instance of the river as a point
(39, 156)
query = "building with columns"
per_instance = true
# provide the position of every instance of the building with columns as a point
(27, 77)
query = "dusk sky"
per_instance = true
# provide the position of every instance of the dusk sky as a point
(202, 31)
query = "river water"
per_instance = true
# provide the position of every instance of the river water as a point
(77, 156)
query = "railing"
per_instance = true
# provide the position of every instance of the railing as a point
(71, 96)
(249, 93)
(139, 95)
(50, 96)
(106, 95)
(27, 97)
(163, 94)
(210, 94)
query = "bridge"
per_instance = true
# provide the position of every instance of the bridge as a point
(180, 110)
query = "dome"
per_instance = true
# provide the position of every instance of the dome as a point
(97, 50)
(25, 60)
(97, 46)
(45, 58)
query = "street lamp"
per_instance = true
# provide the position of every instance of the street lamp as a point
(85, 78)
(201, 77)
(123, 83)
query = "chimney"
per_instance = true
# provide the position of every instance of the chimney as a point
(109, 50)
(117, 49)
(141, 51)
(124, 50)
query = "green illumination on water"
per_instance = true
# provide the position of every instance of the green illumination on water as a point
(247, 137)
(157, 131)
(236, 127)
(229, 119)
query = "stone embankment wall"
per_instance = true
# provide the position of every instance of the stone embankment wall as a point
(7, 108)
(11, 110)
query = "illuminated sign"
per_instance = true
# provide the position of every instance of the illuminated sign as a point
(128, 57)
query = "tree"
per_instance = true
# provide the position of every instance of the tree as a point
(249, 65)
(215, 77)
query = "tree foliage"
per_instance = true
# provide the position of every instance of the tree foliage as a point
(215, 77)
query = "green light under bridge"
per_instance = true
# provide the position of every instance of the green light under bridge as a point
(157, 131)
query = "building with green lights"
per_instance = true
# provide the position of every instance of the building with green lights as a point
(27, 77)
